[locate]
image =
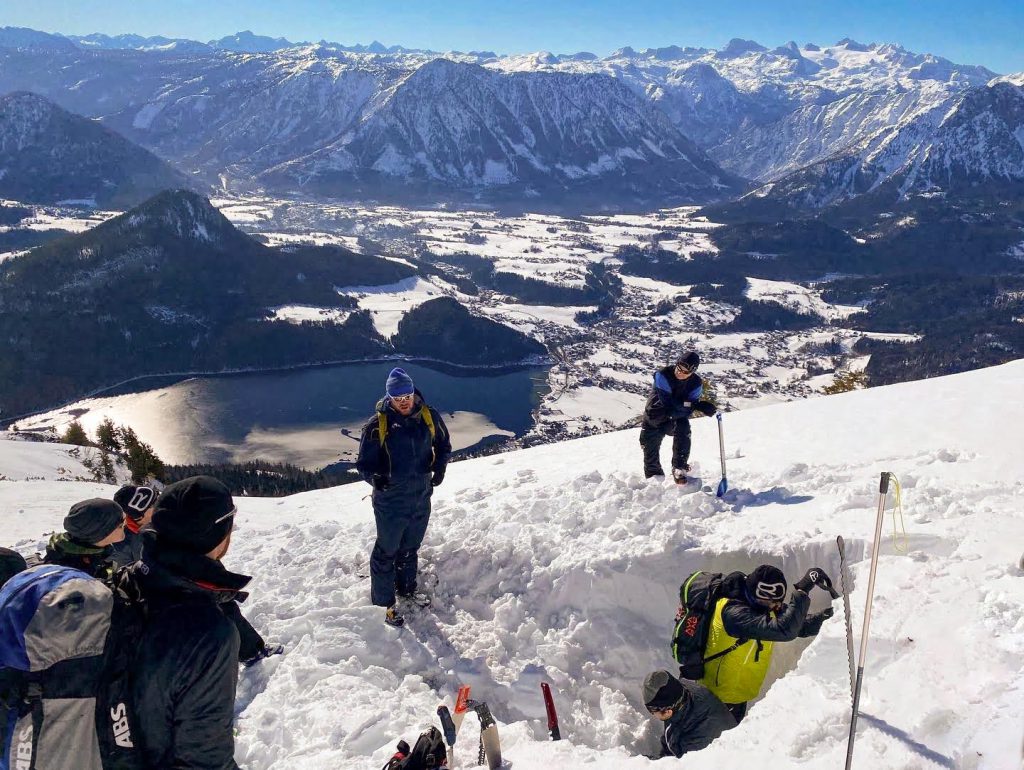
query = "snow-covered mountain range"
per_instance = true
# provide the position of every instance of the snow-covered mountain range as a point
(459, 125)
(973, 142)
(313, 112)
(562, 564)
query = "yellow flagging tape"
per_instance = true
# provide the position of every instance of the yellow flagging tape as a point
(899, 531)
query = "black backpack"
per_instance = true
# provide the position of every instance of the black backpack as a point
(66, 644)
(698, 596)
(429, 753)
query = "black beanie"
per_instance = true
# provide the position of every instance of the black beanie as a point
(135, 500)
(194, 514)
(766, 584)
(662, 690)
(93, 520)
(11, 563)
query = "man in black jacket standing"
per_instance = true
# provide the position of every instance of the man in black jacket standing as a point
(186, 667)
(693, 716)
(678, 391)
(403, 453)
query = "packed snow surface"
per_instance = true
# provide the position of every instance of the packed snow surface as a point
(562, 564)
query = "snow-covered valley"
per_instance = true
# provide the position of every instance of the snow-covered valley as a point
(561, 563)
(602, 366)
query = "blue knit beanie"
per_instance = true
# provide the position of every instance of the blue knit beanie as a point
(399, 384)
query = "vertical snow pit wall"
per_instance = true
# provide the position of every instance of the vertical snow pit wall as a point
(610, 624)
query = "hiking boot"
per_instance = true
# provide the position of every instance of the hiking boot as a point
(679, 475)
(418, 598)
(265, 652)
(393, 617)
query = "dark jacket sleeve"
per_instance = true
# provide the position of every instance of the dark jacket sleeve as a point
(368, 463)
(250, 643)
(205, 700)
(442, 442)
(744, 622)
(704, 719)
(812, 625)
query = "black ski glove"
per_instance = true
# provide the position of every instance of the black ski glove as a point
(437, 478)
(816, 576)
(381, 482)
(706, 408)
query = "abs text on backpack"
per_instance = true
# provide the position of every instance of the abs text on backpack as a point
(429, 753)
(698, 595)
(66, 643)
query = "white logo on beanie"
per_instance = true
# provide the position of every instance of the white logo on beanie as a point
(770, 592)
(142, 499)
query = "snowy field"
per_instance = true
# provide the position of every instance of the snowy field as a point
(562, 564)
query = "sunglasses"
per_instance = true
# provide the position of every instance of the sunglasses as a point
(227, 515)
(403, 399)
(656, 711)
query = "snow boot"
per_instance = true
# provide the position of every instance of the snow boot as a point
(679, 475)
(417, 598)
(393, 617)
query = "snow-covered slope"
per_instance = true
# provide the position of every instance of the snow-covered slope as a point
(562, 563)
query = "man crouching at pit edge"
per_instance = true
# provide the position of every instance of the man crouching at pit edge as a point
(692, 714)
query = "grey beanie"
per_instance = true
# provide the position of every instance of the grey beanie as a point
(662, 690)
(90, 521)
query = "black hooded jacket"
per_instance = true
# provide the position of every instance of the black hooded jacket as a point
(407, 450)
(186, 666)
(697, 722)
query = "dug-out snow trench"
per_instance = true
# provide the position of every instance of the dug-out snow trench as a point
(594, 632)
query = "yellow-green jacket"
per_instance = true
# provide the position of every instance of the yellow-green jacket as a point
(737, 676)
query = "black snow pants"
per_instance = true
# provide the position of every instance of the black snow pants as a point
(651, 437)
(402, 512)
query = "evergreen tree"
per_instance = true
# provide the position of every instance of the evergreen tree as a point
(75, 434)
(142, 461)
(106, 436)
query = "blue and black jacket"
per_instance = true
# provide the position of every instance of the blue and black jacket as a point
(672, 398)
(413, 445)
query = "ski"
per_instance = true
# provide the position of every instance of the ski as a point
(450, 733)
(844, 579)
(490, 745)
(549, 706)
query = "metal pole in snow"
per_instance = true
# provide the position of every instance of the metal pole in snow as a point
(723, 485)
(883, 489)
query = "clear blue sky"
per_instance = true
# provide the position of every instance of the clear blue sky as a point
(987, 32)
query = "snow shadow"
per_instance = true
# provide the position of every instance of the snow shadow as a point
(744, 498)
(917, 747)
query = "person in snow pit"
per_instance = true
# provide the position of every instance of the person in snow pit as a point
(746, 625)
(677, 393)
(403, 453)
(692, 714)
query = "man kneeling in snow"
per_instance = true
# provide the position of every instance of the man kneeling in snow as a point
(693, 716)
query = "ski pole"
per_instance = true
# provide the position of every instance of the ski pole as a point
(723, 485)
(883, 489)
